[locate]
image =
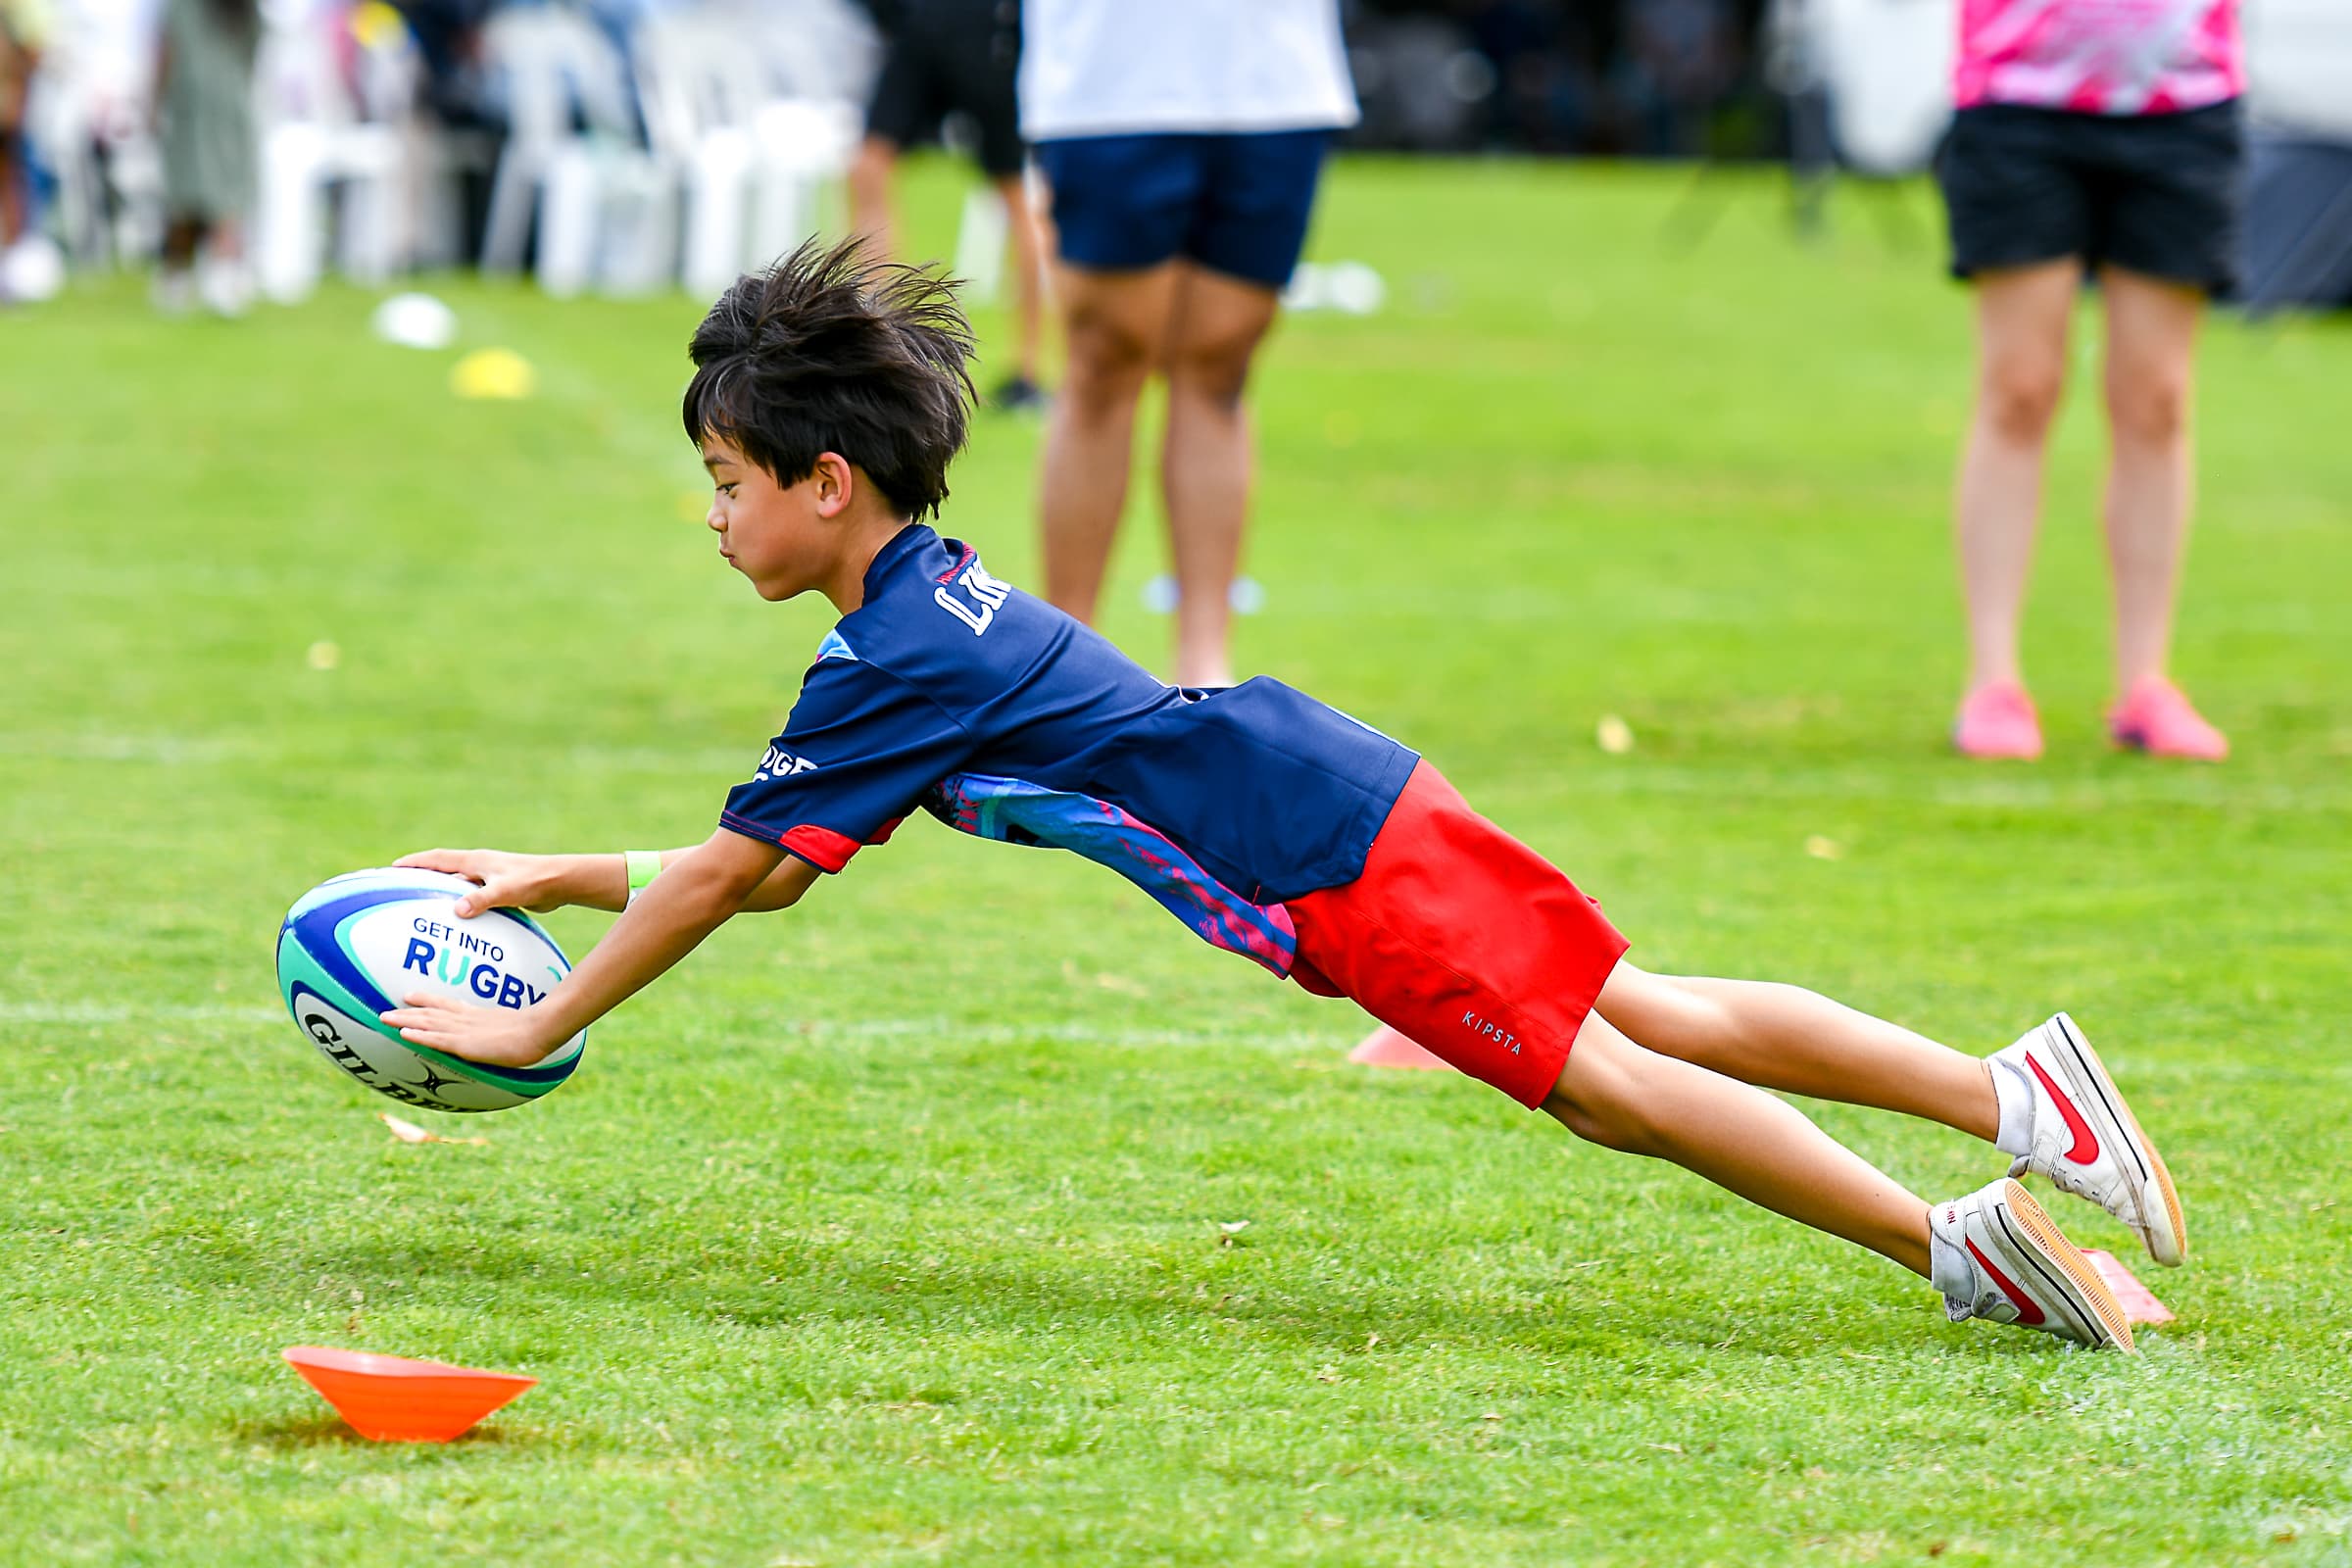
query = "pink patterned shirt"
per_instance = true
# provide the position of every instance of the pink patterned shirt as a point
(2102, 57)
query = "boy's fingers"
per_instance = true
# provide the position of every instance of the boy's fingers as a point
(451, 861)
(490, 895)
(425, 1002)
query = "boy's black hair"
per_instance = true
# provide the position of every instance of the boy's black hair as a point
(831, 351)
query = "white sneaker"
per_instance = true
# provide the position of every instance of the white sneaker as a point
(223, 286)
(173, 290)
(1995, 1254)
(2062, 1115)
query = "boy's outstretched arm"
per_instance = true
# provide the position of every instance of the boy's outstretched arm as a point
(543, 882)
(694, 894)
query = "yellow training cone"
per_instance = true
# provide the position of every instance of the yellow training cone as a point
(493, 373)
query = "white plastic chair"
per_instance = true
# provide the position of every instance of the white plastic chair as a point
(319, 142)
(698, 89)
(599, 196)
(755, 159)
(801, 150)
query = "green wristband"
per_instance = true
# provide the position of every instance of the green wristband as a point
(644, 866)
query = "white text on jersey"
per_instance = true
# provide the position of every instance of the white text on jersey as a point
(781, 763)
(988, 593)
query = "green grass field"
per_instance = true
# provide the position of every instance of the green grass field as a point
(892, 1230)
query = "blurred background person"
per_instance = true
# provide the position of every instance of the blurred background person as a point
(1182, 144)
(24, 26)
(1681, 57)
(957, 58)
(2098, 134)
(204, 96)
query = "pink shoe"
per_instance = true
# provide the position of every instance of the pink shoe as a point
(1997, 719)
(2155, 716)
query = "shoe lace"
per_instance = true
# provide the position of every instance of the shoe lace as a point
(2063, 1177)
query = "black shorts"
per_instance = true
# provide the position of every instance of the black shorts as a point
(2161, 195)
(953, 57)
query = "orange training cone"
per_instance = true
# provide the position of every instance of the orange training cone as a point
(1384, 1046)
(391, 1398)
(2138, 1303)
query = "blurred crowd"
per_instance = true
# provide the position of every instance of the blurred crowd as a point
(1638, 78)
(620, 145)
(249, 142)
(235, 138)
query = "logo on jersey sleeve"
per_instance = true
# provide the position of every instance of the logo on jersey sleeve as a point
(781, 763)
(835, 646)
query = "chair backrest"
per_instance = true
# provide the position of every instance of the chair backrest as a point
(812, 136)
(296, 78)
(1887, 66)
(695, 74)
(551, 60)
(809, 48)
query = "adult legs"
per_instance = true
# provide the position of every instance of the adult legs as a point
(869, 191)
(1786, 1038)
(2151, 341)
(1029, 273)
(1616, 1094)
(1115, 327)
(2020, 334)
(1204, 470)
(180, 237)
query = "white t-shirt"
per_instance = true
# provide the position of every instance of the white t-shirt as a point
(1109, 68)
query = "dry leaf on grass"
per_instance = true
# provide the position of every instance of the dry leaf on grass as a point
(408, 1132)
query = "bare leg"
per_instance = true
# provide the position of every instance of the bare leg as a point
(1029, 273)
(12, 196)
(1204, 472)
(2151, 340)
(1615, 1094)
(2020, 334)
(1786, 1038)
(180, 235)
(1115, 324)
(869, 191)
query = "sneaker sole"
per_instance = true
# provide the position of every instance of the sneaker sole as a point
(2153, 1173)
(2064, 1270)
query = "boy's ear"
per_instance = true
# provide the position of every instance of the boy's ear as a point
(835, 484)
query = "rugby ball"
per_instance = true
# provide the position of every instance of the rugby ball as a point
(355, 946)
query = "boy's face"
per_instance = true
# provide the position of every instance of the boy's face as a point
(776, 535)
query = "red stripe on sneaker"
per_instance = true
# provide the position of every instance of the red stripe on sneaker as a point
(2086, 1143)
(2027, 1312)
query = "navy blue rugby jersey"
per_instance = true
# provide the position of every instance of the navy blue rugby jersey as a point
(1000, 715)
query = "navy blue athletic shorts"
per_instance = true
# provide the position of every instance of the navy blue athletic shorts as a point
(1235, 203)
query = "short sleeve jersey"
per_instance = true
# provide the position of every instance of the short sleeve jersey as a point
(952, 691)
(2101, 57)
(1123, 67)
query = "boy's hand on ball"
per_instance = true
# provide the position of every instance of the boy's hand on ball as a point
(509, 881)
(478, 1034)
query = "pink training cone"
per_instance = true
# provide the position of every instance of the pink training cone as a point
(2138, 1303)
(1384, 1046)
(390, 1399)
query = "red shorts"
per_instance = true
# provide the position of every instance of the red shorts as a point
(1463, 939)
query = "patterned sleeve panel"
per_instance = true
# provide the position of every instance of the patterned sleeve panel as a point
(1011, 810)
